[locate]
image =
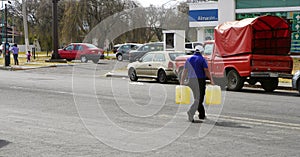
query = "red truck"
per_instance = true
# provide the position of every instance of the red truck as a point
(251, 50)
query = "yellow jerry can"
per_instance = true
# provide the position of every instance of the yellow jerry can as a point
(183, 95)
(213, 95)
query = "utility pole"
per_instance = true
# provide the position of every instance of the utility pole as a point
(25, 25)
(6, 45)
(55, 30)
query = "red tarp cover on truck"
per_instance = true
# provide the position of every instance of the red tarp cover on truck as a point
(268, 35)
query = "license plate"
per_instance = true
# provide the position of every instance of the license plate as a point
(273, 75)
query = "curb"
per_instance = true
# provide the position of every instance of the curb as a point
(110, 74)
(16, 68)
(118, 75)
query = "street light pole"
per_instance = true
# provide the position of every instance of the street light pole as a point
(6, 45)
(55, 30)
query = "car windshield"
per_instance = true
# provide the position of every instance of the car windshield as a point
(91, 46)
(208, 49)
(174, 55)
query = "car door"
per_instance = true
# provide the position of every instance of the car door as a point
(78, 51)
(66, 52)
(144, 67)
(158, 62)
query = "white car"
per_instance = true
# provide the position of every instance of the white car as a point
(296, 81)
(157, 64)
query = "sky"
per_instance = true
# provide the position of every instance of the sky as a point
(159, 3)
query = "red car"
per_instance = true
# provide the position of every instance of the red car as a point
(81, 51)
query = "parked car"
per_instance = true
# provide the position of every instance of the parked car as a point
(123, 50)
(115, 48)
(296, 81)
(157, 64)
(135, 55)
(190, 47)
(81, 51)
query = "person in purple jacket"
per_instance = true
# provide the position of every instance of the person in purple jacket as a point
(15, 51)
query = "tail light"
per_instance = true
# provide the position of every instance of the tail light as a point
(170, 65)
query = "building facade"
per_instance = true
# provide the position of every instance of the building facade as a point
(206, 15)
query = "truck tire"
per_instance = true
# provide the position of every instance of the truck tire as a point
(234, 81)
(270, 84)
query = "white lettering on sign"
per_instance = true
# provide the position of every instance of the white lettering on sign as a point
(298, 17)
(297, 36)
(207, 18)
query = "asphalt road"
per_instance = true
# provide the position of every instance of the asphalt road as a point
(77, 111)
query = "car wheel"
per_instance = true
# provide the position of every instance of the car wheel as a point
(161, 76)
(234, 81)
(95, 61)
(120, 57)
(69, 60)
(298, 86)
(83, 59)
(186, 81)
(270, 84)
(132, 75)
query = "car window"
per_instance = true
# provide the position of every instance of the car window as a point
(208, 49)
(146, 48)
(134, 47)
(188, 46)
(91, 46)
(79, 47)
(148, 57)
(174, 55)
(159, 58)
(70, 47)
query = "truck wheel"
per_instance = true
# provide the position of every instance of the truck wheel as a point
(161, 76)
(234, 81)
(269, 85)
(132, 75)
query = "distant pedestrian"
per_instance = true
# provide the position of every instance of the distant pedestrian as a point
(196, 69)
(28, 56)
(15, 51)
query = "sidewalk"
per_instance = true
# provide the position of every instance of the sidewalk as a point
(32, 65)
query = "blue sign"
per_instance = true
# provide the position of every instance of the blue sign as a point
(203, 15)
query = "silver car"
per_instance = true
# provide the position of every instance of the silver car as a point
(296, 81)
(158, 65)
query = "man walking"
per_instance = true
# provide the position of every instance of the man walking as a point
(15, 51)
(196, 69)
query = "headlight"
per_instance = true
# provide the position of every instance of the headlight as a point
(297, 73)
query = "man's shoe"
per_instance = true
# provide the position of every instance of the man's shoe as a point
(190, 117)
(202, 118)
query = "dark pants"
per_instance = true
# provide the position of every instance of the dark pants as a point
(16, 59)
(198, 87)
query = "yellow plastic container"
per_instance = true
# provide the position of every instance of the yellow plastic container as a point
(213, 95)
(183, 95)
